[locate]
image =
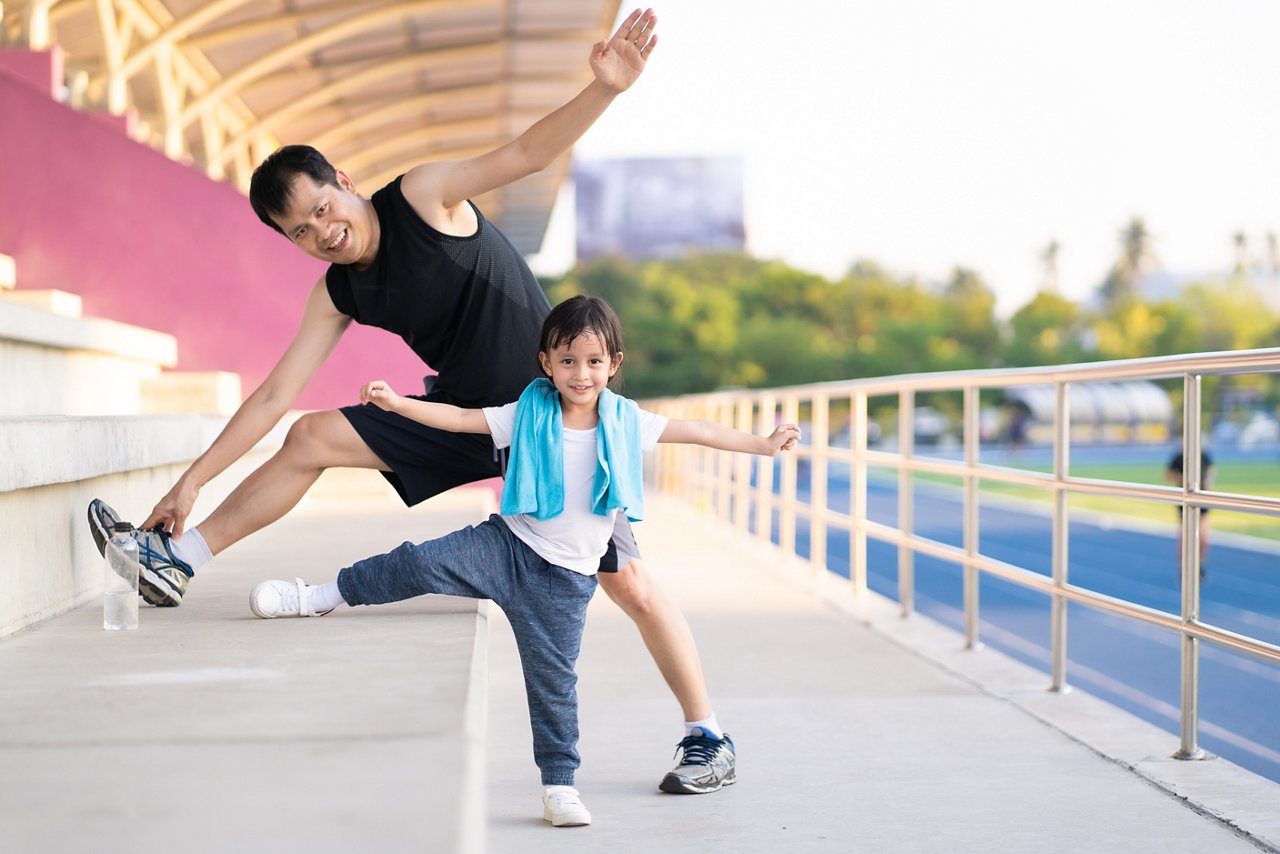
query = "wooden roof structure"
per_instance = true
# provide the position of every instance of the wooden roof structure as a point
(378, 86)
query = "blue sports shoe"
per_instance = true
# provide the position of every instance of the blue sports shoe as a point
(706, 765)
(162, 577)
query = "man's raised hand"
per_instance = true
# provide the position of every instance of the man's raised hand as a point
(617, 63)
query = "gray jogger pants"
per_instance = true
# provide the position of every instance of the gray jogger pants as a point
(545, 604)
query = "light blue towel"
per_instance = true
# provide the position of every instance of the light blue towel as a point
(535, 472)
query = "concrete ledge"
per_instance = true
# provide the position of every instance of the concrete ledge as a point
(61, 303)
(36, 326)
(49, 381)
(216, 392)
(49, 449)
(50, 468)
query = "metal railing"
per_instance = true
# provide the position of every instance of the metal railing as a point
(726, 483)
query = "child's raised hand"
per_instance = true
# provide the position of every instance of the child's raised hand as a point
(784, 437)
(380, 394)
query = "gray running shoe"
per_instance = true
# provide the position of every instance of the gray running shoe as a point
(162, 577)
(706, 765)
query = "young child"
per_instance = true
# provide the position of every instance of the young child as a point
(575, 464)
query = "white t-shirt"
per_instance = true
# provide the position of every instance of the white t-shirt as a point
(577, 538)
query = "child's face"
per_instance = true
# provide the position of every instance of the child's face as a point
(580, 369)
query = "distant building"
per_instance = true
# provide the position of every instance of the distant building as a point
(1131, 411)
(658, 207)
(1163, 285)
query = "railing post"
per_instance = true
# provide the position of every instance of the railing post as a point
(700, 463)
(1061, 536)
(858, 494)
(1189, 723)
(764, 482)
(906, 500)
(742, 468)
(971, 509)
(818, 486)
(787, 517)
(686, 458)
(723, 464)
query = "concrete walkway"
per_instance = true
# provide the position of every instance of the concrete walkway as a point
(856, 731)
(209, 730)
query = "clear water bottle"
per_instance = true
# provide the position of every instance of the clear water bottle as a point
(120, 595)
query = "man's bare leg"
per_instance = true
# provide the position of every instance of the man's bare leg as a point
(666, 634)
(707, 758)
(317, 441)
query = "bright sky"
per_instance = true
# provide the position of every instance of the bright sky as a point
(925, 134)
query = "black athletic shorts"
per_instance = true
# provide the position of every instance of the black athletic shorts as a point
(425, 462)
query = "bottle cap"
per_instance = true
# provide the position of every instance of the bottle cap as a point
(122, 527)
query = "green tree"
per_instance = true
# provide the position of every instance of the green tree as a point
(1045, 331)
(1136, 257)
(970, 318)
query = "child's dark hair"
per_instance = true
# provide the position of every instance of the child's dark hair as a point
(579, 314)
(272, 183)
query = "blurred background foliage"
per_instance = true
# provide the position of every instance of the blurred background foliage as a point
(714, 321)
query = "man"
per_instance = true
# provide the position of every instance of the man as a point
(418, 259)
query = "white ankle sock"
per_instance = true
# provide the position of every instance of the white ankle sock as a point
(191, 548)
(709, 725)
(325, 597)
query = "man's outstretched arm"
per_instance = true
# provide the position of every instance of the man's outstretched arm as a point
(321, 327)
(616, 63)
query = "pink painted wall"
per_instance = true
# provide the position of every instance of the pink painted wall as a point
(148, 241)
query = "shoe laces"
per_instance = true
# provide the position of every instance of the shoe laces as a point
(698, 749)
(290, 601)
(151, 543)
(153, 546)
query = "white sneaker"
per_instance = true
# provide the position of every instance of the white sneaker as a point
(283, 599)
(563, 808)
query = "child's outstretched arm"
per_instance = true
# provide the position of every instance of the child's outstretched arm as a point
(723, 438)
(442, 416)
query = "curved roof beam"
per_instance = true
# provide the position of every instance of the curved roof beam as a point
(421, 137)
(398, 109)
(61, 9)
(179, 30)
(395, 110)
(381, 179)
(258, 26)
(354, 82)
(233, 83)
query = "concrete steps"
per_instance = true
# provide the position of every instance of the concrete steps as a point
(89, 410)
(56, 361)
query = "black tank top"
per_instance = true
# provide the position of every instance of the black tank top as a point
(470, 307)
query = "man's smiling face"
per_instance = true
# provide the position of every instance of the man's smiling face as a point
(327, 222)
